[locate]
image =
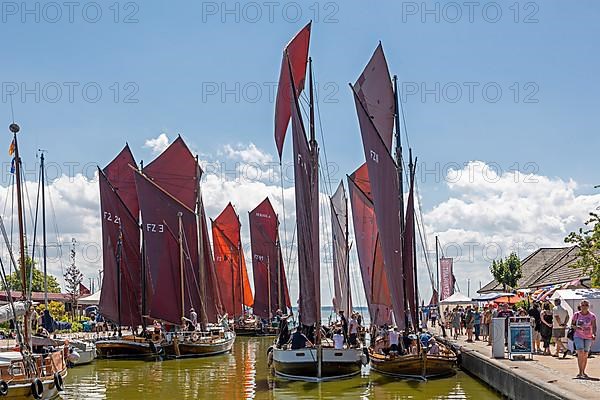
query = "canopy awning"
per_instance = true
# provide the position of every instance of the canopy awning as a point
(458, 298)
(492, 296)
(91, 300)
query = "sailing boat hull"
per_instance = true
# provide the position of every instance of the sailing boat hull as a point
(422, 366)
(302, 364)
(201, 347)
(127, 348)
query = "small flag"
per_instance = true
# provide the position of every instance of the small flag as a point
(12, 166)
(11, 148)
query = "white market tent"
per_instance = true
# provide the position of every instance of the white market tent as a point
(570, 299)
(458, 298)
(91, 300)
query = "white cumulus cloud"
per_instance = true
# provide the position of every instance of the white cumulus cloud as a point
(157, 144)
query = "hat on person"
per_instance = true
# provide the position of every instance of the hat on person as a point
(412, 336)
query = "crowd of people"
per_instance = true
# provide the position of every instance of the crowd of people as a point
(550, 321)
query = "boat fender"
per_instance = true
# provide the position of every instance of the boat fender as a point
(3, 388)
(364, 357)
(58, 382)
(37, 388)
(270, 356)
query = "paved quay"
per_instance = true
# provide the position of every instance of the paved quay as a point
(544, 377)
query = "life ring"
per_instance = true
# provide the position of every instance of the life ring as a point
(3, 388)
(37, 388)
(58, 382)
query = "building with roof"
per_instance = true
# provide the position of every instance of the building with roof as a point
(547, 266)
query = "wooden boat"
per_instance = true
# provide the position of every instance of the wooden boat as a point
(271, 295)
(177, 250)
(388, 263)
(422, 366)
(23, 374)
(45, 383)
(127, 347)
(199, 344)
(321, 362)
(232, 274)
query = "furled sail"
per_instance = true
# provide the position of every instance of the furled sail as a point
(339, 229)
(385, 188)
(6, 311)
(306, 176)
(160, 216)
(119, 229)
(408, 255)
(297, 53)
(230, 262)
(270, 284)
(368, 246)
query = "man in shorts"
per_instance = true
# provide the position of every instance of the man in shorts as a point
(560, 317)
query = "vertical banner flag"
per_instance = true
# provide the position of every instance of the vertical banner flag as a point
(446, 278)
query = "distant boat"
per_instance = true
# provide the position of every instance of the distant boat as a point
(271, 296)
(177, 254)
(232, 274)
(320, 362)
(379, 193)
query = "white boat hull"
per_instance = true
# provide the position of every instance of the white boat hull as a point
(302, 364)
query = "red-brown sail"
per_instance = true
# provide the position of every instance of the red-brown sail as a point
(385, 189)
(270, 285)
(339, 229)
(212, 305)
(230, 262)
(368, 246)
(306, 177)
(408, 254)
(118, 224)
(160, 216)
(176, 170)
(374, 89)
(297, 53)
(120, 176)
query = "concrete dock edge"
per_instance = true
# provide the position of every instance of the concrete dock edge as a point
(509, 382)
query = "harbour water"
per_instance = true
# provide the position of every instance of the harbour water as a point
(243, 374)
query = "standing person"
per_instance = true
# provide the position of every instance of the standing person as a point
(469, 323)
(585, 325)
(546, 328)
(193, 318)
(560, 317)
(433, 315)
(477, 322)
(344, 322)
(487, 322)
(534, 313)
(394, 336)
(456, 322)
(353, 331)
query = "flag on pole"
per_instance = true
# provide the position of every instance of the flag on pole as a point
(11, 148)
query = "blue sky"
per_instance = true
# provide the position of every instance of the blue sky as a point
(170, 57)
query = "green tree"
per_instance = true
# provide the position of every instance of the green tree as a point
(588, 240)
(57, 310)
(507, 272)
(37, 282)
(73, 278)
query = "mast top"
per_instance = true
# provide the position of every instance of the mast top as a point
(14, 128)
